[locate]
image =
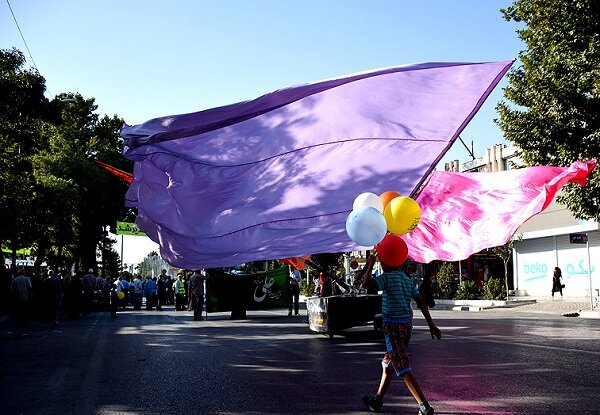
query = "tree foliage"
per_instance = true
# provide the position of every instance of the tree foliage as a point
(555, 119)
(23, 110)
(445, 281)
(467, 290)
(54, 198)
(493, 289)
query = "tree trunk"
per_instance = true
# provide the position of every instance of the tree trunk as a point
(506, 277)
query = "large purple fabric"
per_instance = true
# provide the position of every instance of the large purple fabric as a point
(276, 177)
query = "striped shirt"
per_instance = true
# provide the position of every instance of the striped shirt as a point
(398, 291)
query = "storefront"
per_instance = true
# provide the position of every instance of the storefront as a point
(541, 250)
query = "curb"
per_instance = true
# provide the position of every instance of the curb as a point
(589, 314)
(467, 308)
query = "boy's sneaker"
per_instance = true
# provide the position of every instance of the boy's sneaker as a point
(373, 403)
(428, 411)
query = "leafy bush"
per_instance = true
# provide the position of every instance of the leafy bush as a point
(307, 290)
(445, 281)
(467, 290)
(493, 289)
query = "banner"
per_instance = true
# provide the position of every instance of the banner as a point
(260, 291)
(128, 228)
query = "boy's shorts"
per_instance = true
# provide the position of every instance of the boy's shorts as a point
(397, 337)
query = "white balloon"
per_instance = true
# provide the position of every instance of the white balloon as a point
(368, 199)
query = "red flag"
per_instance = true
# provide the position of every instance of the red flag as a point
(121, 174)
(297, 262)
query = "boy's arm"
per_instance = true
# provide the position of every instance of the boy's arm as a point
(433, 329)
(368, 281)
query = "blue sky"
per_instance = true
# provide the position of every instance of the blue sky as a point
(144, 59)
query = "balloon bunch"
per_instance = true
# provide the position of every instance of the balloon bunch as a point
(377, 220)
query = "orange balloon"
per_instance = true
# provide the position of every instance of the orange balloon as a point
(386, 197)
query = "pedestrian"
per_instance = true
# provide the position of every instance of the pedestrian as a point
(114, 300)
(197, 285)
(191, 299)
(89, 290)
(138, 292)
(171, 290)
(179, 289)
(294, 288)
(51, 296)
(72, 296)
(20, 290)
(398, 290)
(557, 285)
(161, 288)
(124, 288)
(150, 293)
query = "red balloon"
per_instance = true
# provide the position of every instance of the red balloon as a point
(392, 251)
(353, 264)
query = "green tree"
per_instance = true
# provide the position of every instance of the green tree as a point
(54, 198)
(555, 119)
(151, 265)
(87, 197)
(445, 281)
(23, 111)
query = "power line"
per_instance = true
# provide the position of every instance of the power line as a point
(24, 41)
(21, 33)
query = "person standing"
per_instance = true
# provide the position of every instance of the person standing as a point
(114, 300)
(89, 290)
(197, 285)
(556, 281)
(161, 289)
(398, 291)
(138, 292)
(51, 296)
(179, 288)
(294, 300)
(20, 290)
(150, 293)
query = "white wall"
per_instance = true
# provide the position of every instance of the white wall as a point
(535, 260)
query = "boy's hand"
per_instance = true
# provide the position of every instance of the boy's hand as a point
(435, 332)
(373, 256)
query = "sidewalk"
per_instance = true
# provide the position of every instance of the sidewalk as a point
(556, 305)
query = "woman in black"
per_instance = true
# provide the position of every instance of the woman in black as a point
(556, 284)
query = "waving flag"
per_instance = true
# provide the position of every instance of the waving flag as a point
(275, 177)
(463, 213)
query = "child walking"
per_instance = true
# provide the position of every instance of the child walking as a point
(398, 291)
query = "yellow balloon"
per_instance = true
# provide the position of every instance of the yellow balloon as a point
(402, 215)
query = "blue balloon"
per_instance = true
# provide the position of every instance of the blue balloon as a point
(366, 226)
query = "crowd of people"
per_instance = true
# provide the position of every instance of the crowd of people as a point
(50, 297)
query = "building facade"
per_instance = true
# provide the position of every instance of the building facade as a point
(552, 238)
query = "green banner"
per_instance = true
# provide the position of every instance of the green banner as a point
(258, 291)
(128, 228)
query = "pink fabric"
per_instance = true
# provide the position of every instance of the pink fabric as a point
(463, 213)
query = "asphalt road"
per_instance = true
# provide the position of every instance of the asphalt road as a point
(492, 362)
